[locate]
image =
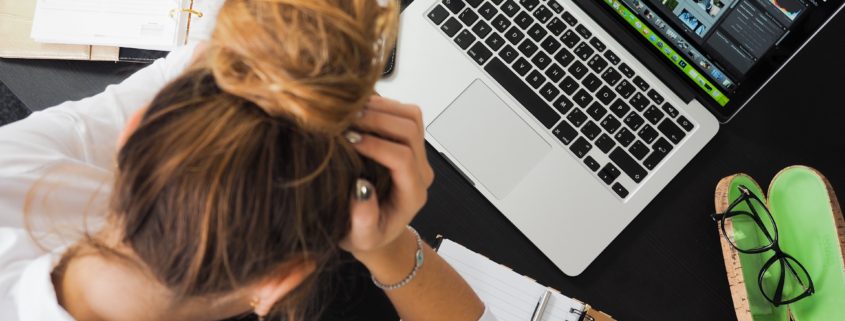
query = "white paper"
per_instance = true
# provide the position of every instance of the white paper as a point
(508, 295)
(146, 24)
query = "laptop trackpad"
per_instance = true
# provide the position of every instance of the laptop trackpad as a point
(489, 139)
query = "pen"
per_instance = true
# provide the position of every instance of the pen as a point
(541, 306)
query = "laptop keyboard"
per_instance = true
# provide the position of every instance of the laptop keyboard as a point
(596, 105)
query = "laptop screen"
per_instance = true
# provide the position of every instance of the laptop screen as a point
(727, 48)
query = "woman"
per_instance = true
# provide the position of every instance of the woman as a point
(234, 188)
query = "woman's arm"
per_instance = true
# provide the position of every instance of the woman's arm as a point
(77, 136)
(379, 237)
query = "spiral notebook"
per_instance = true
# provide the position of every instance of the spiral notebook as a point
(510, 296)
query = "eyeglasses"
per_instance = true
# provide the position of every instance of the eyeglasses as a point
(782, 279)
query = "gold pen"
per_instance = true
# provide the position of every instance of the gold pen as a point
(541, 306)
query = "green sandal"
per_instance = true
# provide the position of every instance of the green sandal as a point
(810, 228)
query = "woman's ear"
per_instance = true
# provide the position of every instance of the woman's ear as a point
(274, 289)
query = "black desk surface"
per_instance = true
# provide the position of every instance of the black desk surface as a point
(667, 264)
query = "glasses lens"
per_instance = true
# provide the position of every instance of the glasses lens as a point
(749, 226)
(784, 280)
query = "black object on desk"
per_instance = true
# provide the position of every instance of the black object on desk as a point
(666, 265)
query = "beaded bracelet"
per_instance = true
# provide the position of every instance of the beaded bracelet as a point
(418, 262)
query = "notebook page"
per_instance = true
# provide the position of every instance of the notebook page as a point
(145, 24)
(508, 295)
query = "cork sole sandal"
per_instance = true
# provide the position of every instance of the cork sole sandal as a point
(749, 303)
(812, 230)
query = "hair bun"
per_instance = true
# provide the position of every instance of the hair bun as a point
(316, 61)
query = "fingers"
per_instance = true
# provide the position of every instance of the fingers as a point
(396, 108)
(365, 218)
(398, 158)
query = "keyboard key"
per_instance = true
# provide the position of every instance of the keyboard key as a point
(609, 173)
(648, 134)
(543, 14)
(639, 102)
(582, 98)
(576, 117)
(620, 190)
(508, 54)
(438, 15)
(598, 44)
(661, 149)
(606, 95)
(583, 51)
(510, 8)
(556, 7)
(523, 20)
(537, 32)
(550, 45)
(541, 60)
(514, 35)
(454, 5)
(555, 73)
(497, 2)
(468, 17)
(565, 133)
(564, 57)
(611, 76)
(578, 70)
(479, 53)
(639, 150)
(569, 18)
(524, 95)
(556, 26)
(465, 39)
(501, 23)
(685, 123)
(569, 85)
(591, 130)
(535, 79)
(655, 97)
(581, 147)
(549, 92)
(597, 63)
(610, 124)
(522, 66)
(488, 11)
(640, 83)
(624, 137)
(625, 89)
(563, 104)
(625, 70)
(670, 110)
(527, 48)
(634, 121)
(605, 143)
(495, 41)
(451, 27)
(474, 3)
(583, 31)
(570, 38)
(619, 108)
(597, 111)
(591, 82)
(612, 57)
(481, 29)
(672, 131)
(591, 163)
(628, 165)
(529, 4)
(653, 115)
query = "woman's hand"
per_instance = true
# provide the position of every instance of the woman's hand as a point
(377, 226)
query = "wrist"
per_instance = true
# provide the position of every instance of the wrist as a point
(393, 262)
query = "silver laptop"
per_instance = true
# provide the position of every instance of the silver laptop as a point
(564, 129)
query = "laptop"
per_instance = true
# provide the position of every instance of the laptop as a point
(571, 116)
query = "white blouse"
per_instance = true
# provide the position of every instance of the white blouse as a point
(56, 166)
